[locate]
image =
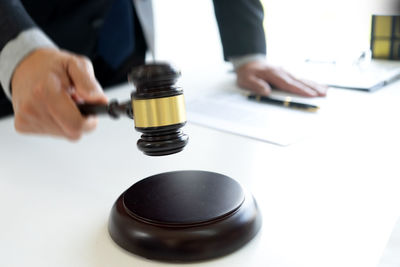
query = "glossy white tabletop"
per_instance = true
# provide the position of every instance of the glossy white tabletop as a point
(329, 200)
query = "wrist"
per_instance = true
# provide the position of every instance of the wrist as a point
(239, 61)
(18, 49)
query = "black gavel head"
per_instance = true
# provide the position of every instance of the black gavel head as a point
(158, 109)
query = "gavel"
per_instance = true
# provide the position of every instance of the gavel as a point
(157, 108)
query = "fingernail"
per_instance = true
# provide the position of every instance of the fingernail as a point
(312, 92)
(323, 89)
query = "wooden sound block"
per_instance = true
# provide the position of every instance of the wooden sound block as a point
(184, 216)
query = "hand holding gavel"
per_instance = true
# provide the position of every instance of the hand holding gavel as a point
(48, 84)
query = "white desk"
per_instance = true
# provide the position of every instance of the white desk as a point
(329, 200)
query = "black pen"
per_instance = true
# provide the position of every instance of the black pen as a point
(287, 102)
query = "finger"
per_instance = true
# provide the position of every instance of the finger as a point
(26, 125)
(282, 80)
(299, 88)
(319, 88)
(255, 84)
(286, 83)
(49, 124)
(25, 114)
(90, 124)
(64, 110)
(81, 74)
(44, 124)
(33, 117)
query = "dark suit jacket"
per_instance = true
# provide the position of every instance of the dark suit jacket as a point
(73, 24)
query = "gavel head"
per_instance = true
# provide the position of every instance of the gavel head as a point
(158, 109)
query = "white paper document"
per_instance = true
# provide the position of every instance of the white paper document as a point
(365, 77)
(232, 112)
(391, 255)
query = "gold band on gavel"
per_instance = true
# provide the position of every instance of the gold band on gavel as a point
(158, 112)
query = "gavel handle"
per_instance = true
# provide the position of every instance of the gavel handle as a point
(114, 109)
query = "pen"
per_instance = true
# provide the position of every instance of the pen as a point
(287, 102)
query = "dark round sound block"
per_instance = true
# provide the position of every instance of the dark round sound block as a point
(184, 216)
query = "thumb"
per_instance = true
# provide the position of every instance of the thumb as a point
(87, 88)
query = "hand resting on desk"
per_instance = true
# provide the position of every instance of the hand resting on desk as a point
(259, 76)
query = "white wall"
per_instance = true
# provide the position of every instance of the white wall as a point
(186, 32)
(317, 28)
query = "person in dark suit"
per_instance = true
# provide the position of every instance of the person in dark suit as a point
(56, 53)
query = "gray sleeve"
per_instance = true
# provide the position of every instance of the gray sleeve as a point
(16, 50)
(241, 60)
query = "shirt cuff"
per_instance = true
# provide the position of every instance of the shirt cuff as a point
(16, 50)
(241, 60)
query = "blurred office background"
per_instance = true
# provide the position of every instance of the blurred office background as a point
(186, 31)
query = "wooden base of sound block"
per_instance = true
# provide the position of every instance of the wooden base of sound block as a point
(184, 216)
